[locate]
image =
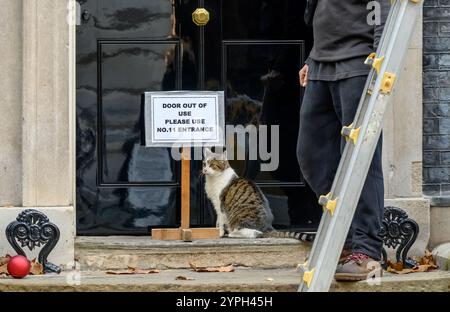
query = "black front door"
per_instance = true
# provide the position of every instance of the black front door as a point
(252, 49)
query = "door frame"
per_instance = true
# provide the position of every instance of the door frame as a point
(73, 19)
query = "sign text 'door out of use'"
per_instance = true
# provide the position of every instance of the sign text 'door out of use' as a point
(184, 118)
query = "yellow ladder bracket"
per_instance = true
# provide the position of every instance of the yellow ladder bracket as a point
(350, 133)
(308, 276)
(375, 61)
(387, 84)
(327, 203)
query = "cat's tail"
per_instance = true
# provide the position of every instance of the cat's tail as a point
(301, 236)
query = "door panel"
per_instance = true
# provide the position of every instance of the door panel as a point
(136, 18)
(262, 89)
(126, 70)
(263, 19)
(126, 210)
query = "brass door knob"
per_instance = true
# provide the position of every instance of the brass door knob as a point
(200, 17)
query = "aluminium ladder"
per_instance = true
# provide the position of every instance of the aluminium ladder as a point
(362, 136)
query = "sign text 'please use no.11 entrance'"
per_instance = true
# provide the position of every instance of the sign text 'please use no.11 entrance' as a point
(187, 118)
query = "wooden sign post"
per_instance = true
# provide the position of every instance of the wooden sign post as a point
(161, 107)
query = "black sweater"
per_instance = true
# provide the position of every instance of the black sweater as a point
(341, 30)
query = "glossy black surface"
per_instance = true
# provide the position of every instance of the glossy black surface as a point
(252, 49)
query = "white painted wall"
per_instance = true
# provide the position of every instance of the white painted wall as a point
(10, 103)
(402, 136)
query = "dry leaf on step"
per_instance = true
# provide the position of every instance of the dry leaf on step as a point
(4, 265)
(4, 269)
(427, 259)
(132, 270)
(183, 278)
(423, 264)
(5, 260)
(139, 271)
(406, 271)
(36, 268)
(426, 267)
(396, 266)
(195, 268)
(416, 269)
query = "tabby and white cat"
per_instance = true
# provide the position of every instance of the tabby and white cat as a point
(240, 205)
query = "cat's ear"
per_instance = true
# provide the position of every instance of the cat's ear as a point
(207, 153)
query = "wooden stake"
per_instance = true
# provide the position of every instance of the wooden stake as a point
(185, 233)
(185, 187)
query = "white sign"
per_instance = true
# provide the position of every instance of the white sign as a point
(189, 118)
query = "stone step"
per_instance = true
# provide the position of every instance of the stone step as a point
(119, 252)
(243, 279)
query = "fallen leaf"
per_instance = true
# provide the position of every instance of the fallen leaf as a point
(426, 267)
(423, 264)
(4, 269)
(397, 266)
(119, 272)
(5, 260)
(132, 270)
(36, 268)
(416, 269)
(237, 264)
(427, 259)
(139, 271)
(183, 278)
(4, 265)
(405, 271)
(195, 268)
(269, 279)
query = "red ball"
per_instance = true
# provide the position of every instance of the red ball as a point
(19, 267)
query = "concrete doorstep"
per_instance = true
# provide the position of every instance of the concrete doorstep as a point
(120, 252)
(243, 279)
(261, 265)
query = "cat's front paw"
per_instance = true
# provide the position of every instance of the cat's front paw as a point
(222, 232)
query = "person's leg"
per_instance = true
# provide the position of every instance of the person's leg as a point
(318, 146)
(366, 223)
(319, 141)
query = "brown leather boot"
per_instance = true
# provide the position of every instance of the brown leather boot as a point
(357, 267)
(346, 252)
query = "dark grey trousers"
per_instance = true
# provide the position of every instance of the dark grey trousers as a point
(327, 106)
